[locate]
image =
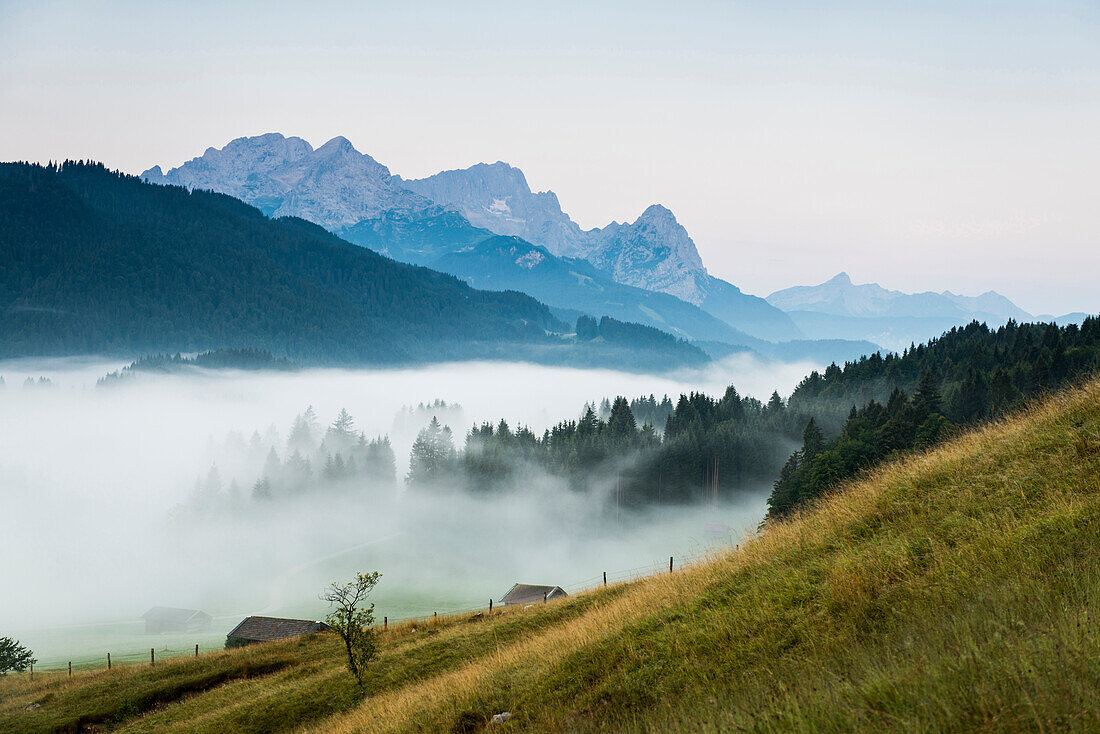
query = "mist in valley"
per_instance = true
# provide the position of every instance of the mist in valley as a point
(143, 492)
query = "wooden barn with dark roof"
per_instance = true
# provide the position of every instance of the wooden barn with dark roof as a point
(268, 629)
(531, 594)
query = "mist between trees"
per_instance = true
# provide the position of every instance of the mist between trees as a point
(620, 454)
(701, 449)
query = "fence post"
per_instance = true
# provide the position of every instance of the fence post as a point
(196, 649)
(670, 564)
(108, 661)
(490, 605)
(435, 616)
(70, 668)
(605, 578)
(152, 660)
(544, 597)
(385, 622)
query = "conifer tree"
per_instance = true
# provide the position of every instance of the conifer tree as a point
(433, 454)
(813, 441)
(927, 398)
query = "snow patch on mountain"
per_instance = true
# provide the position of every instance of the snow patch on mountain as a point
(530, 260)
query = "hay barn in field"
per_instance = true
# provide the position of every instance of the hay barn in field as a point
(267, 629)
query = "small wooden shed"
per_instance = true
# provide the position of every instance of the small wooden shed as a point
(170, 619)
(531, 594)
(267, 629)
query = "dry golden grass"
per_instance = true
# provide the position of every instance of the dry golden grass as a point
(535, 652)
(926, 596)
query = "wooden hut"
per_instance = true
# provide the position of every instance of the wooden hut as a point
(531, 594)
(267, 629)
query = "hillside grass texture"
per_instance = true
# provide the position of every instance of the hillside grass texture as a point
(956, 590)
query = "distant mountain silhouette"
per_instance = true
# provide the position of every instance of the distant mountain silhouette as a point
(841, 309)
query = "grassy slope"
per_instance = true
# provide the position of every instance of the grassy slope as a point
(956, 590)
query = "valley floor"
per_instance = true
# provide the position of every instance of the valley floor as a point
(957, 590)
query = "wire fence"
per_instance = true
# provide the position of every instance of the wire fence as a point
(156, 654)
(112, 659)
(604, 578)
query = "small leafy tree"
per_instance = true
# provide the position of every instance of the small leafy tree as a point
(14, 656)
(352, 619)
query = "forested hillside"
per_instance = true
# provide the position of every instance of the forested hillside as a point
(911, 401)
(93, 261)
(704, 449)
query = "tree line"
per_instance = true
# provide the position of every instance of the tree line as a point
(314, 460)
(701, 448)
(705, 449)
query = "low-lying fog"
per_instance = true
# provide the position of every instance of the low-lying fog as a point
(95, 482)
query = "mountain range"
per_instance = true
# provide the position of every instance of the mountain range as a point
(841, 309)
(447, 222)
(654, 252)
(840, 297)
(485, 225)
(95, 262)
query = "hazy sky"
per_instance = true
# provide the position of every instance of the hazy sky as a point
(922, 145)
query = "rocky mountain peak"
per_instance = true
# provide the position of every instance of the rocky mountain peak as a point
(334, 186)
(340, 144)
(657, 213)
(654, 252)
(497, 197)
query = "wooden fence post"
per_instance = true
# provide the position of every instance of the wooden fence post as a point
(108, 661)
(490, 605)
(605, 578)
(670, 564)
(385, 622)
(196, 649)
(152, 659)
(544, 597)
(70, 668)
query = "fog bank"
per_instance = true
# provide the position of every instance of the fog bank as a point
(94, 480)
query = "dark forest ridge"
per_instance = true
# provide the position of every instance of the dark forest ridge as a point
(98, 262)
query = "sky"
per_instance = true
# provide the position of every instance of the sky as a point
(924, 146)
